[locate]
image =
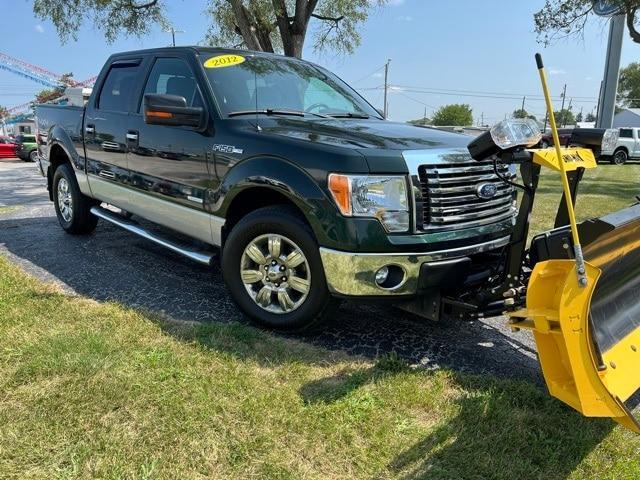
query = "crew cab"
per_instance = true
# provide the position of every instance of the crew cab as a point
(279, 168)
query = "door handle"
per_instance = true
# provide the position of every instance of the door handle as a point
(107, 174)
(132, 136)
(90, 129)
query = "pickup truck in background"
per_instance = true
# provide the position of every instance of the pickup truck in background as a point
(626, 148)
(287, 174)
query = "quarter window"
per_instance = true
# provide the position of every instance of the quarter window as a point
(118, 88)
(626, 133)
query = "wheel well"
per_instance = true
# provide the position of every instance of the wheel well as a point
(57, 156)
(252, 199)
(621, 148)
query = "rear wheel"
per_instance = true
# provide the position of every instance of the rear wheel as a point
(33, 155)
(72, 207)
(274, 272)
(620, 157)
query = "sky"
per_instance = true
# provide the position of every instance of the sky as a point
(455, 51)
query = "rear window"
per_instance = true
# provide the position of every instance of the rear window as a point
(118, 88)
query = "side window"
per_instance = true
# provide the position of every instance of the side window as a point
(626, 133)
(173, 76)
(117, 88)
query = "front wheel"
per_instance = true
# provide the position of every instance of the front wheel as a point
(33, 155)
(620, 157)
(274, 272)
(72, 207)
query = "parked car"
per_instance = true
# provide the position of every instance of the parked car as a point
(307, 192)
(627, 147)
(7, 148)
(26, 147)
(564, 134)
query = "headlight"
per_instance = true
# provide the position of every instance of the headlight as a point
(381, 197)
(504, 135)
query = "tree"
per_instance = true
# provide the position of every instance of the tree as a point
(565, 18)
(590, 117)
(47, 94)
(453, 115)
(579, 117)
(112, 17)
(4, 113)
(282, 25)
(629, 86)
(521, 113)
(565, 117)
(421, 122)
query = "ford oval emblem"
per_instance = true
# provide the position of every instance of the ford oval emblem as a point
(486, 191)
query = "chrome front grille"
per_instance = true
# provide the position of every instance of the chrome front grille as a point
(450, 199)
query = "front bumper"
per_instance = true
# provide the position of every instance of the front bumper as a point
(353, 274)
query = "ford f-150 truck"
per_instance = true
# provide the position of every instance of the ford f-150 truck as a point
(306, 193)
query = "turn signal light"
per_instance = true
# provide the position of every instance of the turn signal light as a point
(340, 187)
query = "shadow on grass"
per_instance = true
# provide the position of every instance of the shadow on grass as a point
(502, 429)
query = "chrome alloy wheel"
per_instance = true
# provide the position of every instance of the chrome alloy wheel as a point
(65, 203)
(275, 273)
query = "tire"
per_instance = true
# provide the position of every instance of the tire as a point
(33, 155)
(544, 144)
(260, 298)
(72, 207)
(620, 157)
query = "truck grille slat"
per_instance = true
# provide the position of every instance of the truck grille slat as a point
(450, 199)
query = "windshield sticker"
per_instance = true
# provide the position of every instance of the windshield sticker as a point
(222, 61)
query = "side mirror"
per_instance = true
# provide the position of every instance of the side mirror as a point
(161, 109)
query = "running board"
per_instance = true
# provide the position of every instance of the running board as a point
(202, 257)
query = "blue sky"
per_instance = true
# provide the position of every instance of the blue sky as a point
(447, 48)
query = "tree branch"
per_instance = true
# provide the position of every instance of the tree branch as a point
(135, 6)
(631, 24)
(327, 19)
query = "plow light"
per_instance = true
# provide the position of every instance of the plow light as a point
(518, 132)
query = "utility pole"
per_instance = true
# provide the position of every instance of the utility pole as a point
(564, 95)
(424, 119)
(386, 88)
(523, 99)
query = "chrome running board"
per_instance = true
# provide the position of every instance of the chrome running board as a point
(202, 257)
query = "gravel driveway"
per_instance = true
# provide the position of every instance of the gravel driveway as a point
(115, 265)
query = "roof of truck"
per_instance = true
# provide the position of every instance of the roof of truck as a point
(201, 49)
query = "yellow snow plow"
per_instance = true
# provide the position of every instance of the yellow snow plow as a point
(579, 290)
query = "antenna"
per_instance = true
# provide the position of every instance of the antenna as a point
(255, 89)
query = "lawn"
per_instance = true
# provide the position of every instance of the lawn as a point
(98, 390)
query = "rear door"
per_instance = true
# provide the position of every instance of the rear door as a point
(105, 130)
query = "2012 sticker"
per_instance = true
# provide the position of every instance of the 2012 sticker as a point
(222, 61)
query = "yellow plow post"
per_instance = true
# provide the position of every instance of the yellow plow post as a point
(585, 315)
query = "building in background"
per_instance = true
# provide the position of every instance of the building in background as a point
(629, 117)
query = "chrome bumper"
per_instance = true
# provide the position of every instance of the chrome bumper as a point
(353, 274)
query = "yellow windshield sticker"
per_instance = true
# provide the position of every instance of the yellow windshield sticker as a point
(222, 61)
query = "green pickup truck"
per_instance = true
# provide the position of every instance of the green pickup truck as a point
(26, 147)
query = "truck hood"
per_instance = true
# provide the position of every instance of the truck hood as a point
(363, 133)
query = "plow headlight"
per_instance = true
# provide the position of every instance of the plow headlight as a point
(517, 132)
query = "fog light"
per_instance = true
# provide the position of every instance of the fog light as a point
(382, 275)
(390, 277)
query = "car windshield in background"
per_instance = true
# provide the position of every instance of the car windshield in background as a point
(262, 85)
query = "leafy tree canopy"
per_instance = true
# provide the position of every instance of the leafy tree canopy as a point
(565, 117)
(629, 86)
(590, 117)
(282, 25)
(453, 115)
(521, 113)
(566, 18)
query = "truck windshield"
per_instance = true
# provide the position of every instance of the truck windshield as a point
(261, 84)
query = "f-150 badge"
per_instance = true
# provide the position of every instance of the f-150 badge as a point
(226, 149)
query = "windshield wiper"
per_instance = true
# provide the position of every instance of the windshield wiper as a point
(274, 111)
(349, 115)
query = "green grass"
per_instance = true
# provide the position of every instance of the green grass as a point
(605, 189)
(7, 209)
(96, 390)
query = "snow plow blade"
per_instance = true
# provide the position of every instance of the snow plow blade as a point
(588, 338)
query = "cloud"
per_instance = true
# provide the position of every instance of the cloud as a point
(405, 18)
(377, 75)
(556, 71)
(39, 28)
(588, 79)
